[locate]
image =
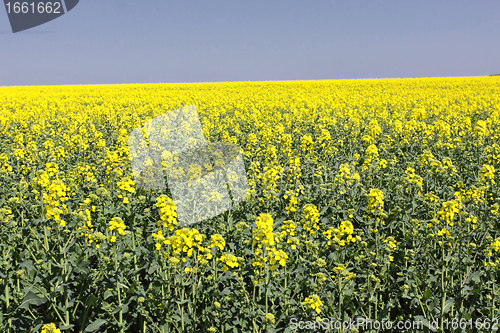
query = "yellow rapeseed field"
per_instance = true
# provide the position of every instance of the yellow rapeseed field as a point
(374, 199)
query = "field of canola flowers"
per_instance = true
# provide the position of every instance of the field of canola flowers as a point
(368, 198)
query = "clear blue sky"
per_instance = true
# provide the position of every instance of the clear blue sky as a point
(125, 41)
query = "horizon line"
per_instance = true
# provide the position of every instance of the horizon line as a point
(202, 82)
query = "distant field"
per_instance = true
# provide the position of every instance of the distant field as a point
(369, 199)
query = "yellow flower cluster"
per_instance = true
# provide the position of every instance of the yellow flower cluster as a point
(190, 242)
(263, 233)
(487, 174)
(382, 164)
(481, 131)
(492, 153)
(310, 221)
(412, 178)
(390, 243)
(288, 227)
(347, 177)
(449, 209)
(195, 171)
(85, 174)
(428, 159)
(185, 240)
(55, 193)
(113, 162)
(495, 246)
(374, 128)
(168, 214)
(4, 163)
(325, 142)
(117, 224)
(277, 257)
(339, 269)
(343, 235)
(126, 185)
(266, 242)
(288, 230)
(371, 155)
(50, 328)
(293, 177)
(269, 180)
(87, 229)
(159, 239)
(307, 145)
(217, 241)
(5, 214)
(375, 201)
(444, 232)
(475, 195)
(229, 260)
(314, 302)
(494, 209)
(342, 272)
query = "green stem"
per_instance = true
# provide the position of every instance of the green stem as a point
(45, 239)
(493, 305)
(267, 283)
(168, 287)
(50, 300)
(120, 314)
(286, 280)
(182, 309)
(417, 290)
(443, 298)
(193, 297)
(214, 269)
(84, 319)
(66, 294)
(369, 300)
(7, 304)
(57, 312)
(66, 304)
(163, 289)
(340, 296)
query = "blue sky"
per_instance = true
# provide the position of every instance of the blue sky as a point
(125, 41)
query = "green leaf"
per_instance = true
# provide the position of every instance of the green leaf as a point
(427, 294)
(433, 304)
(476, 277)
(67, 248)
(28, 264)
(448, 304)
(66, 327)
(94, 326)
(91, 300)
(108, 293)
(124, 308)
(31, 299)
(82, 265)
(347, 291)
